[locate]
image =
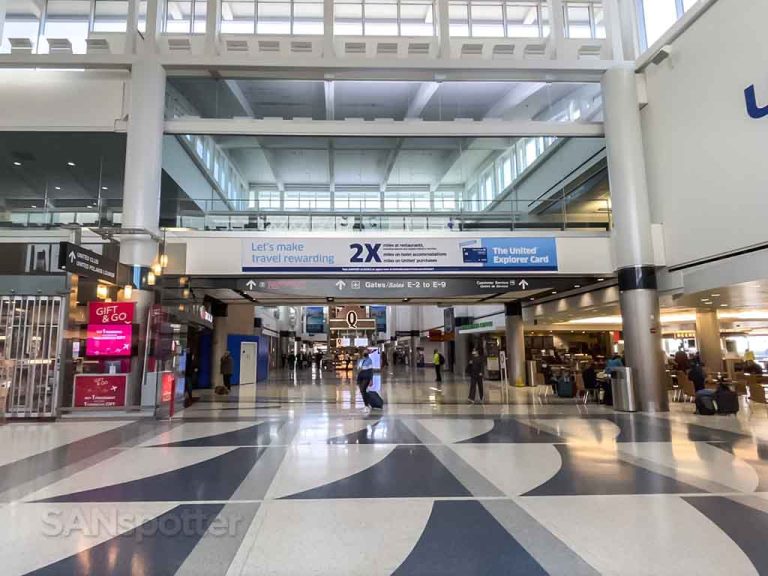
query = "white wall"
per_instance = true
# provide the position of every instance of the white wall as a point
(706, 159)
(50, 100)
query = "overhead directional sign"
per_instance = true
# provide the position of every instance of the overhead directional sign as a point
(78, 260)
(412, 287)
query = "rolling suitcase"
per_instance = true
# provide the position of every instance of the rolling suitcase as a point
(565, 388)
(375, 400)
(726, 401)
(705, 404)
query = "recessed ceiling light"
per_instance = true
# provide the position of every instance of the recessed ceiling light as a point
(577, 285)
(34, 205)
(724, 305)
(705, 299)
(16, 163)
(104, 188)
(70, 163)
(600, 279)
(715, 295)
(554, 291)
(57, 187)
(531, 298)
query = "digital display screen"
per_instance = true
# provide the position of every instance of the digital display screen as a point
(109, 340)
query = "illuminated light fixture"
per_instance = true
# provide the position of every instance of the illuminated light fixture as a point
(127, 291)
(406, 299)
(102, 292)
(57, 187)
(104, 188)
(554, 291)
(181, 307)
(600, 279)
(164, 260)
(157, 268)
(183, 280)
(185, 293)
(71, 164)
(151, 278)
(34, 205)
(531, 298)
(723, 305)
(16, 163)
(577, 285)
(715, 295)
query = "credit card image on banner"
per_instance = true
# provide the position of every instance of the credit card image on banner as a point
(475, 255)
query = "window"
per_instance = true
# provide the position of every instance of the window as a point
(110, 16)
(357, 200)
(185, 17)
(268, 199)
(498, 18)
(68, 19)
(384, 18)
(406, 200)
(307, 200)
(658, 17)
(272, 17)
(22, 20)
(584, 19)
(444, 200)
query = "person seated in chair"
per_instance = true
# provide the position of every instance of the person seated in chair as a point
(697, 375)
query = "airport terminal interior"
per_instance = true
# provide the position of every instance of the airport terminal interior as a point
(383, 287)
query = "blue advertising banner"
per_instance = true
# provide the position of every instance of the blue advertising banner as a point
(315, 319)
(379, 313)
(391, 254)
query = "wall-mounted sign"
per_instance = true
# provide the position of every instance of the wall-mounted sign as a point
(78, 260)
(351, 319)
(111, 312)
(388, 254)
(100, 390)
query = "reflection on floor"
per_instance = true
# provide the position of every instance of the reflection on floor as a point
(254, 483)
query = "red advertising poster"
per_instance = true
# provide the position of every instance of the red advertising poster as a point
(108, 340)
(166, 390)
(100, 390)
(111, 312)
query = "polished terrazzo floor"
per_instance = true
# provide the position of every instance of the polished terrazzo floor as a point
(258, 484)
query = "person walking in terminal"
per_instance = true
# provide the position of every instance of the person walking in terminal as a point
(291, 362)
(364, 378)
(475, 372)
(438, 361)
(226, 369)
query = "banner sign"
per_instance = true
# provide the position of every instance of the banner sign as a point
(389, 254)
(100, 390)
(111, 312)
(379, 313)
(315, 319)
(78, 260)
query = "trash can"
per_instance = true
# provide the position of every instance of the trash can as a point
(530, 370)
(623, 388)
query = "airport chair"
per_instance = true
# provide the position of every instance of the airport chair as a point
(674, 387)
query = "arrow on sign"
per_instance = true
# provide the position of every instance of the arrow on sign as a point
(72, 256)
(523, 284)
(340, 284)
(250, 284)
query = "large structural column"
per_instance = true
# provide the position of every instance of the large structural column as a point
(141, 193)
(632, 237)
(515, 336)
(708, 339)
(461, 347)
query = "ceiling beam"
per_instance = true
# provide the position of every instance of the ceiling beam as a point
(514, 97)
(422, 97)
(329, 87)
(390, 163)
(237, 92)
(331, 166)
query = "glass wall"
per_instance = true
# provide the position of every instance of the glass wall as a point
(384, 18)
(272, 17)
(658, 16)
(185, 17)
(584, 19)
(498, 19)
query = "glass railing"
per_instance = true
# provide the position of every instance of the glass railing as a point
(553, 213)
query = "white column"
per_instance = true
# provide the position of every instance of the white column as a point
(557, 25)
(155, 14)
(632, 237)
(708, 339)
(328, 32)
(515, 336)
(212, 26)
(3, 9)
(443, 28)
(143, 161)
(613, 30)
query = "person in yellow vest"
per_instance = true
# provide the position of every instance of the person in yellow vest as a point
(438, 361)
